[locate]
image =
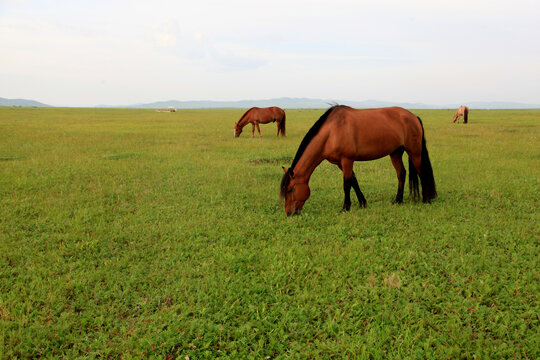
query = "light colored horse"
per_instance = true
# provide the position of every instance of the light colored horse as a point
(463, 111)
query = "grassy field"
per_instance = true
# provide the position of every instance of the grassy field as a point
(135, 234)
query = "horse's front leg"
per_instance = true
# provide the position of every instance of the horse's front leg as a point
(252, 130)
(258, 129)
(361, 199)
(347, 183)
(349, 180)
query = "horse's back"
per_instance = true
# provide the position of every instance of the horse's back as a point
(374, 122)
(277, 112)
(368, 134)
(269, 114)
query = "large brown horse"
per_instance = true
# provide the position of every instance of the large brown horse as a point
(344, 135)
(257, 116)
(462, 111)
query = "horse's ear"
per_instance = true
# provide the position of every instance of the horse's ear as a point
(288, 171)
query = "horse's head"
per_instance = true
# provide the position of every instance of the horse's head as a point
(295, 193)
(237, 130)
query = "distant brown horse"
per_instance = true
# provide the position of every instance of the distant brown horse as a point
(257, 116)
(344, 135)
(462, 111)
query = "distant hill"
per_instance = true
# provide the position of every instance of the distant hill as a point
(284, 102)
(21, 102)
(289, 103)
(307, 103)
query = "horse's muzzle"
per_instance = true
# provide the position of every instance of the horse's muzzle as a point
(293, 213)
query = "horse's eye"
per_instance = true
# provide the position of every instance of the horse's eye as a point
(290, 190)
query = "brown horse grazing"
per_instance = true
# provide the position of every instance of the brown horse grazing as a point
(462, 111)
(257, 116)
(344, 135)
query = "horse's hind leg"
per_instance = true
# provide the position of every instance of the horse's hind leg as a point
(397, 161)
(278, 127)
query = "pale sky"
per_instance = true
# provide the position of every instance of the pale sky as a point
(92, 52)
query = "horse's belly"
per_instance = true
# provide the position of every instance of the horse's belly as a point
(365, 149)
(371, 154)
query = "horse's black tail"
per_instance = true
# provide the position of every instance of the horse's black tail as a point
(466, 115)
(282, 125)
(429, 191)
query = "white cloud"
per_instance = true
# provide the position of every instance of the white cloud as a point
(122, 52)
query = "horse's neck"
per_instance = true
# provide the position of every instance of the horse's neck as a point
(244, 120)
(310, 159)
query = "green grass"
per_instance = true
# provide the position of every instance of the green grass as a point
(131, 233)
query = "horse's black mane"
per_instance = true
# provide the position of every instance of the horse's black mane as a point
(310, 135)
(303, 145)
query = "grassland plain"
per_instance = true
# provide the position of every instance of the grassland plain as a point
(135, 234)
